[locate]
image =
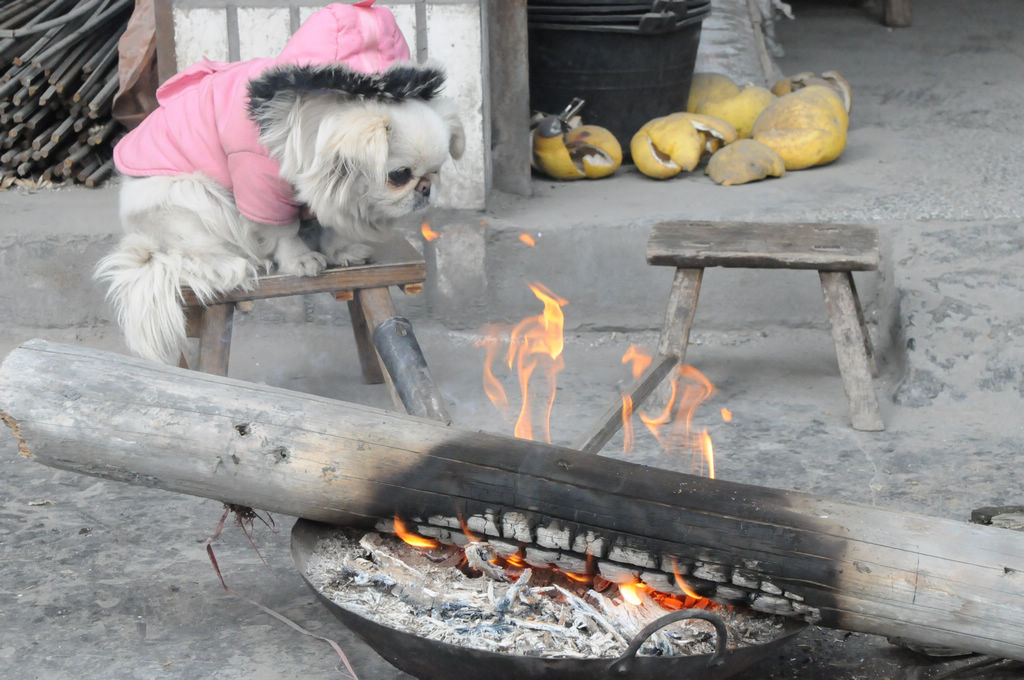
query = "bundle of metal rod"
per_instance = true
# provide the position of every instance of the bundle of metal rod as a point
(58, 77)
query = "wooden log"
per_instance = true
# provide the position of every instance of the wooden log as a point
(10, 14)
(88, 169)
(100, 174)
(933, 581)
(72, 61)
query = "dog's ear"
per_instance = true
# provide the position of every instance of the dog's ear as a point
(357, 140)
(279, 123)
(456, 133)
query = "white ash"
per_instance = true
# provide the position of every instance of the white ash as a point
(528, 612)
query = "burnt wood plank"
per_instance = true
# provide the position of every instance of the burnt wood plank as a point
(395, 263)
(861, 568)
(825, 247)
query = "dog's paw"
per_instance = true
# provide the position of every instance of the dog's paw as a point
(305, 264)
(350, 254)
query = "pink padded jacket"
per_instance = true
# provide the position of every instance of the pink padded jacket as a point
(202, 123)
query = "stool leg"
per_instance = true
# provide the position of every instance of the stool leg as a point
(847, 333)
(375, 307)
(372, 375)
(682, 305)
(193, 321)
(405, 369)
(215, 338)
(872, 364)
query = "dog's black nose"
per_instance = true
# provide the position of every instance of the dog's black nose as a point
(423, 187)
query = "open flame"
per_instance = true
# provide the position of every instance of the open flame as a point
(428, 233)
(516, 560)
(527, 239)
(639, 361)
(534, 344)
(578, 578)
(673, 426)
(491, 342)
(415, 540)
(693, 600)
(627, 423)
(631, 592)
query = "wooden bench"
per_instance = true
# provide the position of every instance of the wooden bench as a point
(834, 250)
(364, 287)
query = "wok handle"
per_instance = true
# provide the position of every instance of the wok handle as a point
(624, 663)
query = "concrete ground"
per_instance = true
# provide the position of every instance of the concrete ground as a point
(105, 580)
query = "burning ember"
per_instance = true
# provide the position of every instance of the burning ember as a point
(437, 594)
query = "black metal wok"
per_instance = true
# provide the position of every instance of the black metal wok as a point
(431, 660)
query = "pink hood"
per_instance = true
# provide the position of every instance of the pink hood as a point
(203, 123)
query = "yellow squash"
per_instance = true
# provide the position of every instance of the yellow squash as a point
(744, 161)
(595, 148)
(806, 127)
(741, 109)
(587, 151)
(666, 146)
(709, 86)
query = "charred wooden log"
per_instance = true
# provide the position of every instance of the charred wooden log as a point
(58, 69)
(934, 581)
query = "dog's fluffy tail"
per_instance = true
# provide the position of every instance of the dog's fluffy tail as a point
(145, 289)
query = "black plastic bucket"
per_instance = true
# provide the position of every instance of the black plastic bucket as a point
(630, 60)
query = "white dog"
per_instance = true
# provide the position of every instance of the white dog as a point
(358, 150)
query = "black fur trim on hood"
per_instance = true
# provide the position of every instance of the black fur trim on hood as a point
(401, 81)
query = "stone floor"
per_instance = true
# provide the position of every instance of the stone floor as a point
(104, 580)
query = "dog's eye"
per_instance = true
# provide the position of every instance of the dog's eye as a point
(400, 177)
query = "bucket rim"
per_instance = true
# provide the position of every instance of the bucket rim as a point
(618, 28)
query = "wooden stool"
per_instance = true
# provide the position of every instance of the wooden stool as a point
(835, 250)
(364, 287)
